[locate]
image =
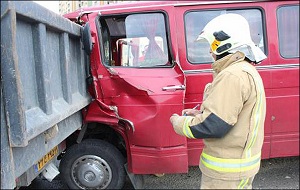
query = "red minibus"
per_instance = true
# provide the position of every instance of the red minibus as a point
(145, 65)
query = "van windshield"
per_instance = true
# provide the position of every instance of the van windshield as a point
(136, 40)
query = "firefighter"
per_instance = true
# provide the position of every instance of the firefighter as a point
(231, 117)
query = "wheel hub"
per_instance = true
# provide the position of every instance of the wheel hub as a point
(91, 172)
(89, 176)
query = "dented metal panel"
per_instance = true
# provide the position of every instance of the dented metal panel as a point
(42, 83)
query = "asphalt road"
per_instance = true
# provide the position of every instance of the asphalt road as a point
(279, 173)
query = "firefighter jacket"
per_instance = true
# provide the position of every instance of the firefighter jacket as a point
(231, 122)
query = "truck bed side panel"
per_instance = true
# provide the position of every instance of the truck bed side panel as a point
(42, 84)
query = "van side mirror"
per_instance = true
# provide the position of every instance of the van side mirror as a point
(87, 39)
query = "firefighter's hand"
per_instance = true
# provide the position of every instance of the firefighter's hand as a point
(190, 112)
(174, 119)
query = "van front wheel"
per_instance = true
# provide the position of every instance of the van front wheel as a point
(93, 164)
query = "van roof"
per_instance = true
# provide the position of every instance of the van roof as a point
(140, 4)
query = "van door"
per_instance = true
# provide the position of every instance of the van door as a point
(285, 78)
(136, 74)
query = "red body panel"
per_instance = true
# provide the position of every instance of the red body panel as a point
(153, 146)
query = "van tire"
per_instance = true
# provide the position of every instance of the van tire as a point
(93, 164)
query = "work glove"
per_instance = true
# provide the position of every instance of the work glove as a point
(177, 122)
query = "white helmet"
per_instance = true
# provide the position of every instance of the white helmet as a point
(231, 33)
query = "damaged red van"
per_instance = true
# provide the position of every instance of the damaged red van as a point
(145, 65)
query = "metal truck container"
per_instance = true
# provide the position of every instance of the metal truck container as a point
(43, 90)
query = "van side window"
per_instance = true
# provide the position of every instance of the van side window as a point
(198, 52)
(136, 40)
(288, 31)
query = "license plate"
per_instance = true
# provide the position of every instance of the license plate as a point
(42, 162)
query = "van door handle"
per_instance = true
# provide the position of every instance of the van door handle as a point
(170, 88)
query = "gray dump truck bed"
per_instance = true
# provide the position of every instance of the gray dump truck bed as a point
(43, 72)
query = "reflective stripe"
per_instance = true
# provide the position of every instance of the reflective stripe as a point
(186, 128)
(243, 183)
(257, 114)
(230, 165)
